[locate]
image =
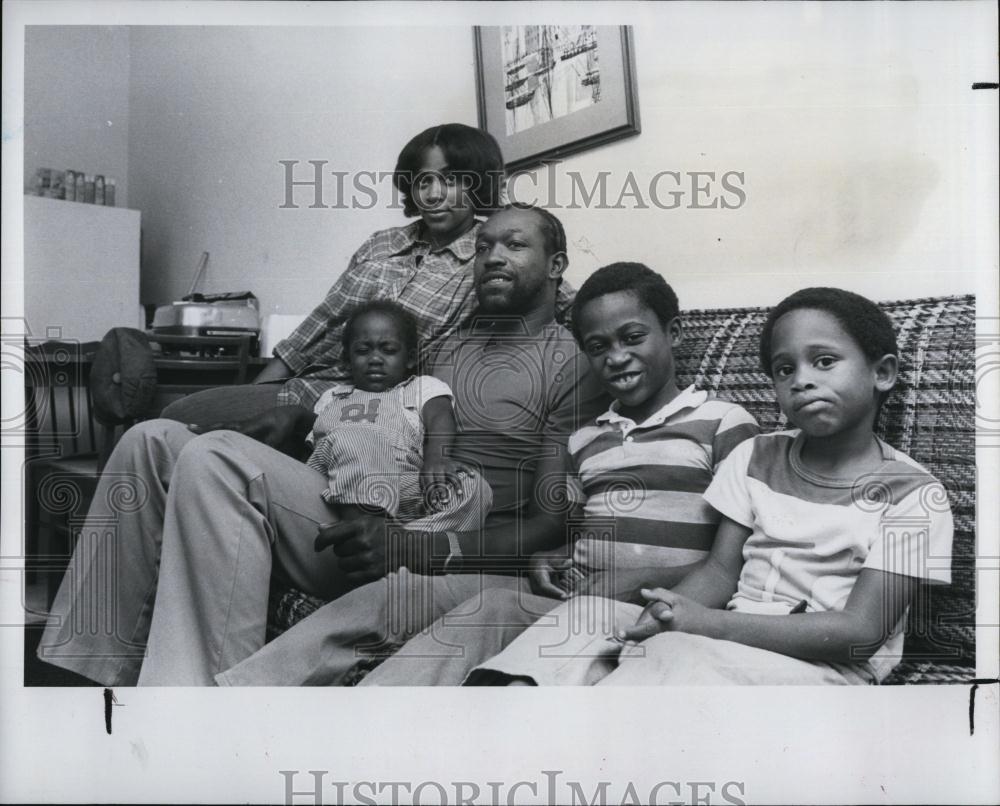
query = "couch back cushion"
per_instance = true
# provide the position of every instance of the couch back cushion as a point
(930, 416)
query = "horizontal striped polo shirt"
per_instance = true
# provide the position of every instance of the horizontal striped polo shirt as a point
(811, 535)
(644, 481)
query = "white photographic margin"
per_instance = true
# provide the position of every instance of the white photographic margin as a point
(793, 745)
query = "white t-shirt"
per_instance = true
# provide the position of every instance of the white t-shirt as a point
(812, 535)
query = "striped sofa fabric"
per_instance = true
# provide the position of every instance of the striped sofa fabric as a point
(930, 416)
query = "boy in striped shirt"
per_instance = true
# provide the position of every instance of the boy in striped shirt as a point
(639, 474)
(825, 533)
(640, 470)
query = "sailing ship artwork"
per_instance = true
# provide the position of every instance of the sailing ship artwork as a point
(549, 71)
(547, 91)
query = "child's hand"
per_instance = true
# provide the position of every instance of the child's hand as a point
(666, 611)
(439, 480)
(547, 574)
(653, 619)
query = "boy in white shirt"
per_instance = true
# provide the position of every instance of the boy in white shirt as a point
(826, 531)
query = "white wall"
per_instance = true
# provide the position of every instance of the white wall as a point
(866, 154)
(861, 144)
(213, 110)
(76, 111)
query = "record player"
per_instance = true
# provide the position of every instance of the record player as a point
(228, 314)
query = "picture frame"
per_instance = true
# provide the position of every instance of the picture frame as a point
(548, 91)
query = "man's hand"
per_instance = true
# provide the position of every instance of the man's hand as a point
(667, 611)
(283, 428)
(439, 480)
(360, 542)
(547, 571)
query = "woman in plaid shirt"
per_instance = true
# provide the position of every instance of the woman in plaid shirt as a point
(446, 175)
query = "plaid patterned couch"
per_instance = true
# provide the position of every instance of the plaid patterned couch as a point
(930, 416)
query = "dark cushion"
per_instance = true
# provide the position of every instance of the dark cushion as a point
(123, 377)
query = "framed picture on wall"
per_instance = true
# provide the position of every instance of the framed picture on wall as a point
(547, 91)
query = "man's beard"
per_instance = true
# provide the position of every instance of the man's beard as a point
(518, 301)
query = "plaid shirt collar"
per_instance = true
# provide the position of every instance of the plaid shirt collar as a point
(406, 238)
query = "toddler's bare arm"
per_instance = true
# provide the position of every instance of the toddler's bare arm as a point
(439, 435)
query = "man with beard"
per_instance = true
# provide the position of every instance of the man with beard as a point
(521, 387)
(223, 512)
(514, 374)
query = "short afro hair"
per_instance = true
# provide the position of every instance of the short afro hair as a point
(861, 319)
(473, 156)
(648, 287)
(551, 227)
(406, 323)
